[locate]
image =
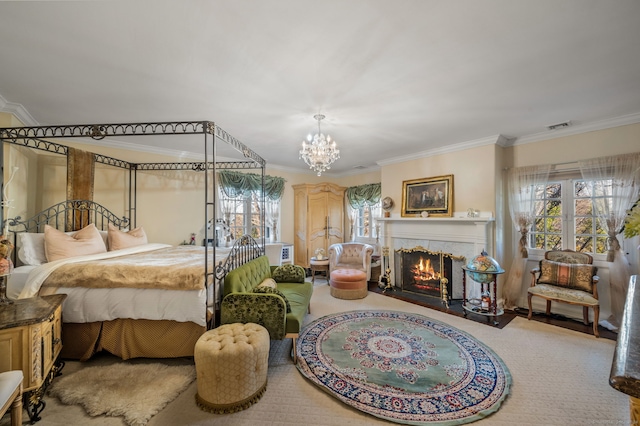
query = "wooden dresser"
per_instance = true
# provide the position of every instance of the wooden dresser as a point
(31, 340)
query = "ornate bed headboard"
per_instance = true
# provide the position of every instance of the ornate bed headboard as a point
(70, 215)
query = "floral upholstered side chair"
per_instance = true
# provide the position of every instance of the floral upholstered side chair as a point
(567, 276)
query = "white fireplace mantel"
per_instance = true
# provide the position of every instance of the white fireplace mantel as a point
(476, 230)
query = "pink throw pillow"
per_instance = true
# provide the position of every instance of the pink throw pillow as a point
(58, 245)
(118, 239)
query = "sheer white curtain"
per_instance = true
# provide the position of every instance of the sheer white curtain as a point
(521, 188)
(624, 172)
(272, 216)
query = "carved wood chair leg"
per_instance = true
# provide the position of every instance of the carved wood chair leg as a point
(16, 409)
(548, 307)
(585, 315)
(530, 309)
(596, 319)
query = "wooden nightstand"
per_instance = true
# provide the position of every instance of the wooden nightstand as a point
(31, 340)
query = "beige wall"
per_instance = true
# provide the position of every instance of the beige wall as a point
(473, 173)
(171, 204)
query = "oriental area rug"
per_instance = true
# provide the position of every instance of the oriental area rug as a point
(135, 392)
(401, 367)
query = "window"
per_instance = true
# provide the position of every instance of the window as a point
(240, 200)
(364, 222)
(566, 218)
(242, 215)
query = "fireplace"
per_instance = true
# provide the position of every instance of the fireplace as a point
(463, 236)
(424, 272)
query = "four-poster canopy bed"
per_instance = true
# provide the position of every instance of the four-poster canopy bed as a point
(158, 320)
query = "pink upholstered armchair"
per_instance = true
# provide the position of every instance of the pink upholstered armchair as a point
(351, 256)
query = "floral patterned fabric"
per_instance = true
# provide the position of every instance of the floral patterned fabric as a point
(562, 294)
(265, 309)
(271, 290)
(288, 274)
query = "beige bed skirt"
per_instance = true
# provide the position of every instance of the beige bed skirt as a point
(129, 338)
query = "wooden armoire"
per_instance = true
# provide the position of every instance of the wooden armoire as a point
(318, 219)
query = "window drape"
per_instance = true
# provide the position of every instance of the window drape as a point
(233, 184)
(358, 196)
(521, 191)
(236, 184)
(624, 172)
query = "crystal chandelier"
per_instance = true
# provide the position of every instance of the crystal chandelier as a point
(319, 152)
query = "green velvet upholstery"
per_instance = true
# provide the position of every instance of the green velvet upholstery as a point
(241, 304)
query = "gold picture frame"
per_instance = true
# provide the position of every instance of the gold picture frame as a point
(428, 197)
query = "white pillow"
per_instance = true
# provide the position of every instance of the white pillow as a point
(31, 248)
(58, 245)
(118, 239)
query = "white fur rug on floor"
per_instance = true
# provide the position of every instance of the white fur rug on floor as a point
(134, 391)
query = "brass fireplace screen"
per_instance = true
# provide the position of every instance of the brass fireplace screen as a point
(424, 272)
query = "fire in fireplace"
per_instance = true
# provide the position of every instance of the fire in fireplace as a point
(424, 272)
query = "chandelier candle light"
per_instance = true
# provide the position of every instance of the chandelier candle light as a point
(319, 152)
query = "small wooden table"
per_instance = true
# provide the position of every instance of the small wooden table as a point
(319, 266)
(31, 340)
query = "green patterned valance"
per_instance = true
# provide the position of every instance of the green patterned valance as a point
(236, 184)
(360, 195)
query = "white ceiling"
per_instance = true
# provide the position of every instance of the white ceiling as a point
(393, 77)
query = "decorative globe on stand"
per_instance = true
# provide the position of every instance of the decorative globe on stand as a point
(483, 268)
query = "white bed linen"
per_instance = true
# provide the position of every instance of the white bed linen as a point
(89, 305)
(39, 274)
(106, 304)
(17, 280)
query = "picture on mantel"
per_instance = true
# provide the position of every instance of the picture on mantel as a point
(431, 195)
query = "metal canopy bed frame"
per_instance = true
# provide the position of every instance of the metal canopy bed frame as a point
(244, 249)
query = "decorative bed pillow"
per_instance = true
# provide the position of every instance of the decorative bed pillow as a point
(268, 282)
(266, 289)
(118, 239)
(31, 248)
(577, 276)
(58, 245)
(288, 274)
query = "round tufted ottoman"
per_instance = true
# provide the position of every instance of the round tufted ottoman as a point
(231, 367)
(348, 284)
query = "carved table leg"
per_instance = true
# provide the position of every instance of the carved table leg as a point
(32, 400)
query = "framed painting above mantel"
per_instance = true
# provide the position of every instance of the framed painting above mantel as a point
(428, 197)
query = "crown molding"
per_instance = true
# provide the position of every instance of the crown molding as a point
(576, 129)
(489, 140)
(18, 111)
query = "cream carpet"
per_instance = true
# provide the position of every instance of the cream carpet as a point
(560, 377)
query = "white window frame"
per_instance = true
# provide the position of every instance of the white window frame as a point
(247, 215)
(568, 217)
(362, 227)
